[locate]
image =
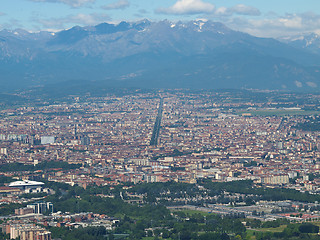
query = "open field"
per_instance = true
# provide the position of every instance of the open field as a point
(190, 212)
(251, 232)
(278, 229)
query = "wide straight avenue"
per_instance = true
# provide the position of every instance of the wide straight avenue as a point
(157, 125)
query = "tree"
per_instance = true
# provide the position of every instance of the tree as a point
(308, 228)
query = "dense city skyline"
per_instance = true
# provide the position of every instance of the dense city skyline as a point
(136, 164)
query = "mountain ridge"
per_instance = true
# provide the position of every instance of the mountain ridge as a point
(194, 54)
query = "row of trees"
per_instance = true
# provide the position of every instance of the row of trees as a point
(18, 167)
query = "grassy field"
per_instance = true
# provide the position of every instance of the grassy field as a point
(278, 229)
(190, 212)
(251, 232)
(153, 238)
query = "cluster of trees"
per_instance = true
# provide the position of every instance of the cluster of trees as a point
(292, 231)
(313, 176)
(183, 226)
(270, 194)
(88, 233)
(312, 124)
(158, 192)
(274, 224)
(154, 220)
(17, 167)
(148, 220)
(168, 189)
(7, 209)
(256, 223)
(250, 164)
(4, 236)
(76, 199)
(5, 179)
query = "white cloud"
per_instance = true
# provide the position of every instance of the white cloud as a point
(298, 84)
(222, 11)
(295, 22)
(274, 26)
(186, 7)
(312, 84)
(2, 14)
(249, 19)
(71, 20)
(120, 4)
(239, 9)
(72, 3)
(245, 10)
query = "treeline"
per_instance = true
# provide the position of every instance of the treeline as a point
(111, 207)
(161, 191)
(309, 126)
(173, 189)
(76, 199)
(17, 167)
(88, 233)
(312, 124)
(270, 194)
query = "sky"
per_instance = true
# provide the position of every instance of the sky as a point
(262, 18)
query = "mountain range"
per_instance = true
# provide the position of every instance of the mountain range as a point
(164, 54)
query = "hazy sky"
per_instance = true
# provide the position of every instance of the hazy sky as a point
(268, 18)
